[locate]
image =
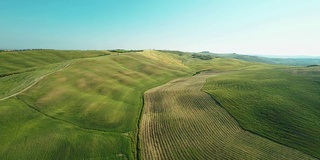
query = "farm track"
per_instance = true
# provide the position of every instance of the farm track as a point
(182, 122)
(37, 80)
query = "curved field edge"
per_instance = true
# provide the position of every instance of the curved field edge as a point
(27, 134)
(147, 69)
(182, 122)
(96, 94)
(280, 104)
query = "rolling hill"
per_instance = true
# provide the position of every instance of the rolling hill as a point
(88, 105)
(182, 122)
(296, 61)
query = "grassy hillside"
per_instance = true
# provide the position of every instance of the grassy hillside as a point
(20, 61)
(84, 105)
(282, 105)
(276, 61)
(216, 64)
(182, 122)
(28, 134)
(107, 88)
(99, 96)
(21, 69)
(13, 84)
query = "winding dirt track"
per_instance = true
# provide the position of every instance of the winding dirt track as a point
(182, 122)
(37, 80)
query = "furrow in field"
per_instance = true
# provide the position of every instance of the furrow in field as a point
(182, 122)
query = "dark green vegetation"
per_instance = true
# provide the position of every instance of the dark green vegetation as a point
(87, 104)
(124, 51)
(313, 65)
(201, 56)
(281, 104)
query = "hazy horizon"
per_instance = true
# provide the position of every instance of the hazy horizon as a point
(272, 28)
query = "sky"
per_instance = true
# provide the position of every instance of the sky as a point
(259, 27)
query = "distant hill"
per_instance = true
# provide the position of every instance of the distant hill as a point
(299, 61)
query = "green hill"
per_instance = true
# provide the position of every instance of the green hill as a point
(300, 61)
(87, 104)
(99, 96)
(19, 61)
(280, 104)
(182, 122)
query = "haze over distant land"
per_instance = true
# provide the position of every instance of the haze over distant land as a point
(273, 28)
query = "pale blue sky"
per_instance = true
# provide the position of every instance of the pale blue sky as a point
(286, 27)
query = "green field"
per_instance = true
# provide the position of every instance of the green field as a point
(280, 104)
(182, 122)
(99, 96)
(88, 104)
(19, 70)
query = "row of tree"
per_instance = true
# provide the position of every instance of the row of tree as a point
(201, 56)
(17, 50)
(124, 51)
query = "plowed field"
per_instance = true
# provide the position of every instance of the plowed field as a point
(182, 122)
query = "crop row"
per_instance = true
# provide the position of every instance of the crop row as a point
(182, 122)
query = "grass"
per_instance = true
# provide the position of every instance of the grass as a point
(278, 61)
(281, 104)
(84, 105)
(14, 83)
(106, 88)
(28, 134)
(182, 122)
(19, 61)
(99, 96)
